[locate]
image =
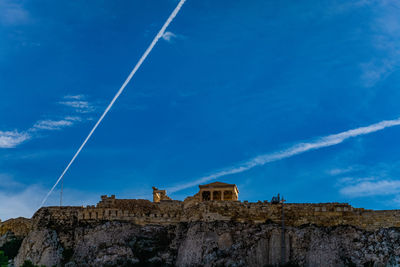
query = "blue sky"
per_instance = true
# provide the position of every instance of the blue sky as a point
(230, 81)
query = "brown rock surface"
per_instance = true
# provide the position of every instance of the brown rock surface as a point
(41, 247)
(171, 233)
(19, 226)
(58, 240)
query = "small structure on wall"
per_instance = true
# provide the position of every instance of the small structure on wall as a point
(218, 191)
(159, 195)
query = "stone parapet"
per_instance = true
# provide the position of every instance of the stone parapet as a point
(143, 212)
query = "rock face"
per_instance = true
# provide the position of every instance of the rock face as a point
(20, 227)
(219, 243)
(41, 247)
(6, 238)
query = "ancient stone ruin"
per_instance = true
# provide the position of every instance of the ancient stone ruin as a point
(159, 195)
(219, 202)
(218, 191)
(211, 228)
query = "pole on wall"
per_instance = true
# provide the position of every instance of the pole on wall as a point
(61, 192)
(283, 243)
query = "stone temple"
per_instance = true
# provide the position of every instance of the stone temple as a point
(208, 192)
(218, 191)
(211, 228)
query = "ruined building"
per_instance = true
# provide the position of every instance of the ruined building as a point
(159, 195)
(218, 191)
(211, 228)
(219, 202)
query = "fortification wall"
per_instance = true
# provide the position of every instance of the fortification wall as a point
(322, 214)
(144, 212)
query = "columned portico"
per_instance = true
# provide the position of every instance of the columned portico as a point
(218, 192)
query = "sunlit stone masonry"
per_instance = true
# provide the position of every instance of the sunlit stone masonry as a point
(220, 202)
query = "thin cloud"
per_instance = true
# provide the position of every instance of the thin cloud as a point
(296, 149)
(79, 106)
(52, 125)
(341, 171)
(350, 181)
(385, 27)
(396, 200)
(24, 200)
(373, 72)
(7, 182)
(20, 203)
(12, 13)
(11, 139)
(371, 188)
(75, 97)
(169, 36)
(78, 103)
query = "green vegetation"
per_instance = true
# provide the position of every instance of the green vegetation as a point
(288, 264)
(11, 248)
(3, 259)
(30, 264)
(66, 255)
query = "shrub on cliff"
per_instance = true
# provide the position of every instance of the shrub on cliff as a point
(11, 248)
(30, 264)
(288, 264)
(3, 259)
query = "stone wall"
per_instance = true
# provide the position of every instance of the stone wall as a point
(211, 233)
(144, 212)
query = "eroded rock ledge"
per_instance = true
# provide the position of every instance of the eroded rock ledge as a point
(210, 234)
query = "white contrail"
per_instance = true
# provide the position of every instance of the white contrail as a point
(296, 149)
(137, 66)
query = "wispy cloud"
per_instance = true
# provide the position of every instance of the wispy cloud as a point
(79, 106)
(366, 187)
(75, 97)
(341, 171)
(12, 13)
(385, 26)
(169, 36)
(396, 200)
(296, 149)
(8, 182)
(21, 203)
(375, 71)
(20, 199)
(372, 180)
(23, 200)
(52, 124)
(10, 139)
(78, 103)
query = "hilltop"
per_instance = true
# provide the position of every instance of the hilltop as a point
(207, 229)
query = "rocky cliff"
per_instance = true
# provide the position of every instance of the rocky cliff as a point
(65, 240)
(20, 227)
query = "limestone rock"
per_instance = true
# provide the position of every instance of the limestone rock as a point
(58, 238)
(41, 247)
(7, 237)
(20, 227)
